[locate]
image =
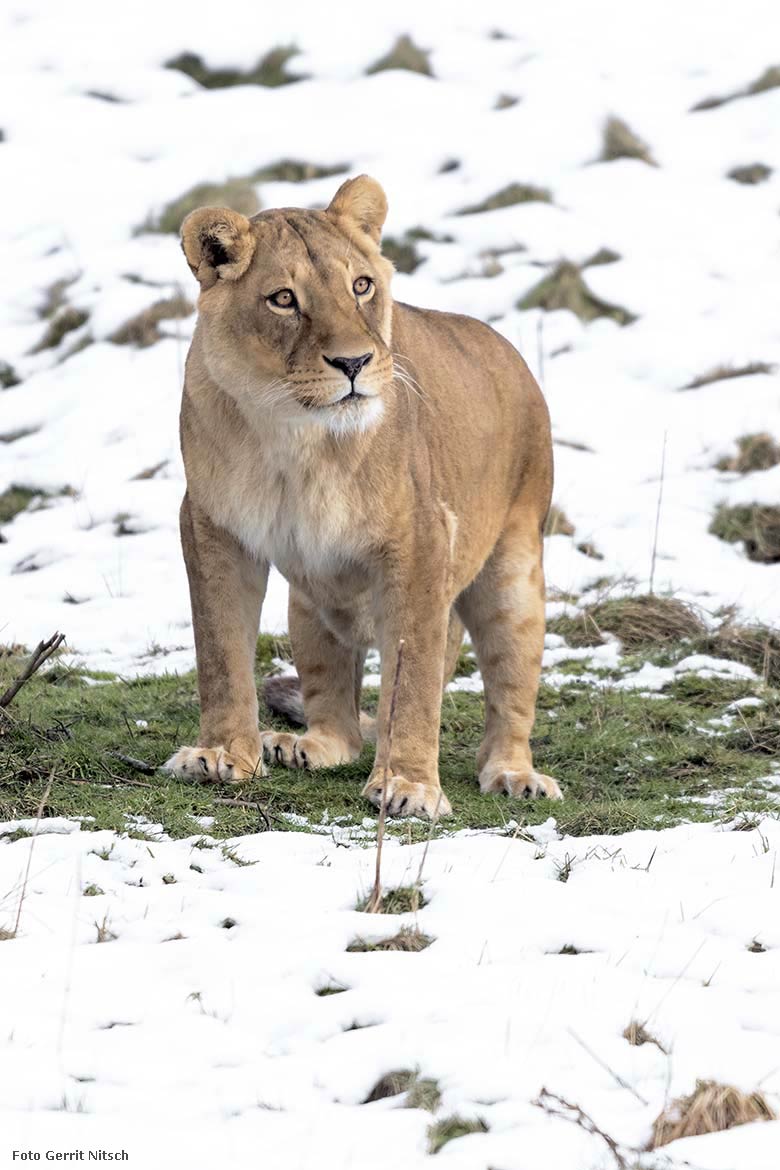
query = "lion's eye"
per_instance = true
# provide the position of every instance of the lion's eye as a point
(362, 286)
(283, 299)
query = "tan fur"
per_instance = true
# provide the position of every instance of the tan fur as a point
(398, 513)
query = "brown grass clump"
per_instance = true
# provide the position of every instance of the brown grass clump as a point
(637, 1034)
(558, 523)
(754, 453)
(640, 623)
(291, 170)
(64, 321)
(564, 288)
(404, 55)
(721, 373)
(509, 196)
(270, 70)
(769, 79)
(710, 1108)
(237, 194)
(450, 1128)
(143, 329)
(505, 101)
(620, 141)
(407, 939)
(751, 174)
(757, 526)
(421, 1092)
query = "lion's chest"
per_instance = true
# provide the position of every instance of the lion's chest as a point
(299, 517)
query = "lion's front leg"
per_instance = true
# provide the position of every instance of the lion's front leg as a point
(414, 609)
(226, 589)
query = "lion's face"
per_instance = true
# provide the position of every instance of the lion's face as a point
(295, 308)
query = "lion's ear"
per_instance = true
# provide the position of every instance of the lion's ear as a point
(218, 243)
(364, 202)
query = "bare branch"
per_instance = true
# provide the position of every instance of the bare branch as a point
(375, 902)
(555, 1106)
(39, 655)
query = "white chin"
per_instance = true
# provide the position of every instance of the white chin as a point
(354, 417)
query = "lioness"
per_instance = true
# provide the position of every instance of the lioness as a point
(394, 463)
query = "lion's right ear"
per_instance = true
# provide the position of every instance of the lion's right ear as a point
(218, 243)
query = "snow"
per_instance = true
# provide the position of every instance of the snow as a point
(219, 1033)
(213, 1049)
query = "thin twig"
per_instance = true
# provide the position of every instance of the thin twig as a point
(658, 515)
(568, 1112)
(38, 816)
(136, 764)
(617, 1077)
(36, 660)
(375, 902)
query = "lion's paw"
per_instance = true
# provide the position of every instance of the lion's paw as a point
(521, 783)
(206, 765)
(407, 798)
(307, 751)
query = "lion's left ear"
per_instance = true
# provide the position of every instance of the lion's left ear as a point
(218, 243)
(363, 201)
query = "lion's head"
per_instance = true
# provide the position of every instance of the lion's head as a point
(295, 307)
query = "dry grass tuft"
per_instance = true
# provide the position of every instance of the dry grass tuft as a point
(602, 256)
(403, 900)
(8, 376)
(404, 55)
(421, 1092)
(637, 1034)
(756, 646)
(710, 1108)
(270, 70)
(402, 253)
(143, 329)
(754, 453)
(757, 526)
(505, 101)
(558, 523)
(751, 174)
(620, 141)
(509, 196)
(407, 939)
(330, 989)
(564, 288)
(450, 1128)
(721, 373)
(237, 194)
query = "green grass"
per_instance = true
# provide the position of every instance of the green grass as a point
(625, 761)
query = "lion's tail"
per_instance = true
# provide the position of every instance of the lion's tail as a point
(282, 694)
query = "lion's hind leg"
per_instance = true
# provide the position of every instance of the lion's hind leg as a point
(330, 675)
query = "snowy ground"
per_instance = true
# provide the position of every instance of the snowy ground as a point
(213, 1049)
(192, 1042)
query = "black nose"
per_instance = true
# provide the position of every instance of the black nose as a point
(351, 366)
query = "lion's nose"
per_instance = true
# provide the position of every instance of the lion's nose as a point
(351, 366)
